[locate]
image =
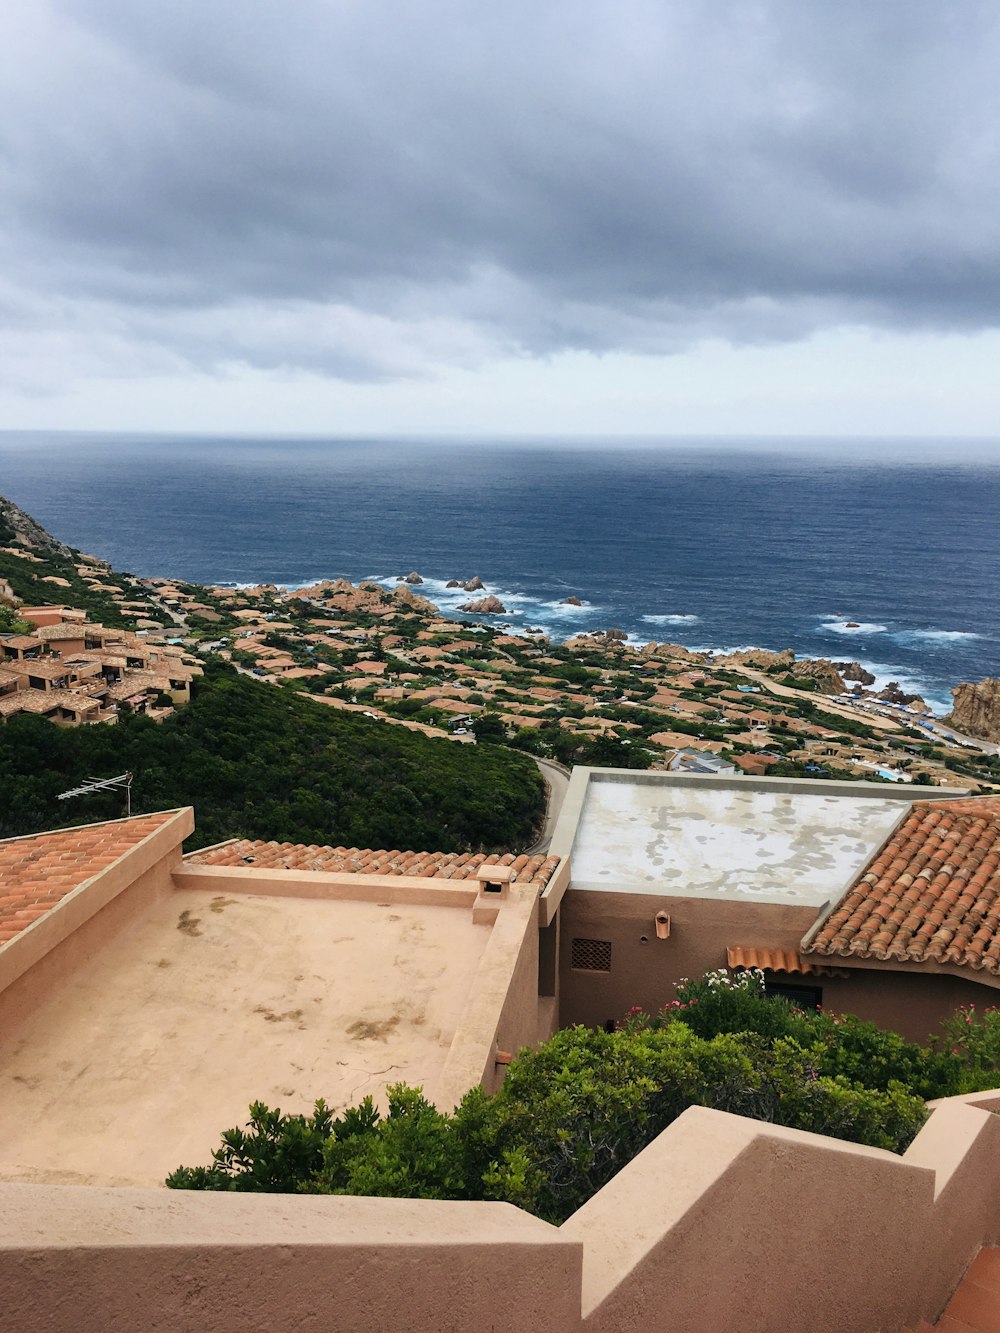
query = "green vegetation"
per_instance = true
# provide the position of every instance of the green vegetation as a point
(572, 1113)
(266, 763)
(10, 623)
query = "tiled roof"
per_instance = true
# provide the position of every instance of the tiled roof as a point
(931, 895)
(363, 861)
(770, 960)
(37, 872)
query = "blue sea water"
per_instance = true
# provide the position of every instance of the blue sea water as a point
(715, 544)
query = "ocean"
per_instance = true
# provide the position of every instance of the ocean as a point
(884, 552)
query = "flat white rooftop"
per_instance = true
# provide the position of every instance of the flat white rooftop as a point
(739, 839)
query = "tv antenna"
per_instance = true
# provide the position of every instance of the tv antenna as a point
(123, 782)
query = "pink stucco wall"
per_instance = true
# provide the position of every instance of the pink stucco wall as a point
(721, 1224)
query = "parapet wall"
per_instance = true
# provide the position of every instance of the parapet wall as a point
(721, 1224)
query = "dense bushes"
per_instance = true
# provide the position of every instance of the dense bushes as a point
(844, 1045)
(260, 762)
(572, 1113)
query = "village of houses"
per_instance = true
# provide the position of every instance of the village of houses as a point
(390, 654)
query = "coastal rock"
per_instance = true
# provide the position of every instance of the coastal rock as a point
(571, 600)
(824, 673)
(473, 585)
(976, 710)
(673, 651)
(413, 577)
(486, 606)
(855, 671)
(892, 694)
(852, 624)
(604, 640)
(16, 525)
(761, 658)
(453, 583)
(407, 597)
(324, 588)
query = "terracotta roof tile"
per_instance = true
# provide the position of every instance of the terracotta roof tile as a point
(931, 895)
(366, 861)
(37, 872)
(771, 960)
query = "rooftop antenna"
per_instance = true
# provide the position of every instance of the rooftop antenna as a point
(123, 782)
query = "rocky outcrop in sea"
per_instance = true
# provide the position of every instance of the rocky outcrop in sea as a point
(486, 606)
(976, 710)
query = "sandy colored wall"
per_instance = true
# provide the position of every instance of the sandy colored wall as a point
(644, 973)
(504, 1011)
(906, 1002)
(721, 1224)
(34, 964)
(726, 1224)
(92, 1260)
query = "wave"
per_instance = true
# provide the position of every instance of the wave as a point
(713, 649)
(943, 636)
(671, 620)
(849, 627)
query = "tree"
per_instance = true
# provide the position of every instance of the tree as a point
(571, 1113)
(10, 622)
(489, 728)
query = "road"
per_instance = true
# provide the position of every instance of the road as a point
(557, 784)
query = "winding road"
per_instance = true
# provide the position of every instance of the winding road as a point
(557, 783)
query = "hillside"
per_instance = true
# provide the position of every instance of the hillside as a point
(265, 763)
(41, 570)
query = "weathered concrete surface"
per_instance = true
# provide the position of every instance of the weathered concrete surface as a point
(156, 1039)
(735, 840)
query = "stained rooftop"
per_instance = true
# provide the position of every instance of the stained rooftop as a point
(207, 988)
(742, 839)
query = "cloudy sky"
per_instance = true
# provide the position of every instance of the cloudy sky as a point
(646, 216)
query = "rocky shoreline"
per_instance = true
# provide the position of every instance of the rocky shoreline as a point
(975, 712)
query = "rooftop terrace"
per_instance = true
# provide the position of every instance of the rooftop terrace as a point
(157, 998)
(766, 840)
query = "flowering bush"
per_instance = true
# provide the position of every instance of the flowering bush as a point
(574, 1111)
(847, 1046)
(973, 1037)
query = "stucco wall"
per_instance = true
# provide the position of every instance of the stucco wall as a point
(768, 1230)
(914, 1004)
(504, 1011)
(93, 1260)
(644, 973)
(721, 1224)
(36, 963)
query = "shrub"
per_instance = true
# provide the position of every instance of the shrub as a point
(848, 1046)
(972, 1038)
(567, 1118)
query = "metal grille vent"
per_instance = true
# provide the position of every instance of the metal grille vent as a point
(591, 955)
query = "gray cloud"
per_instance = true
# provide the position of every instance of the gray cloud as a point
(371, 190)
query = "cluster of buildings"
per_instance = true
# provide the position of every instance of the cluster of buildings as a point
(148, 996)
(73, 672)
(364, 649)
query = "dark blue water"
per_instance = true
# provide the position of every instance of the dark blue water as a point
(720, 544)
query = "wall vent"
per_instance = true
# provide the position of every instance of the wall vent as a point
(591, 955)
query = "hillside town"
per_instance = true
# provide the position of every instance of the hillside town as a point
(124, 643)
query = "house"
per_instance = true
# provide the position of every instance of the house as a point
(146, 997)
(90, 668)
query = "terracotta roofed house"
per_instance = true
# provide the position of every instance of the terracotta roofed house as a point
(146, 998)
